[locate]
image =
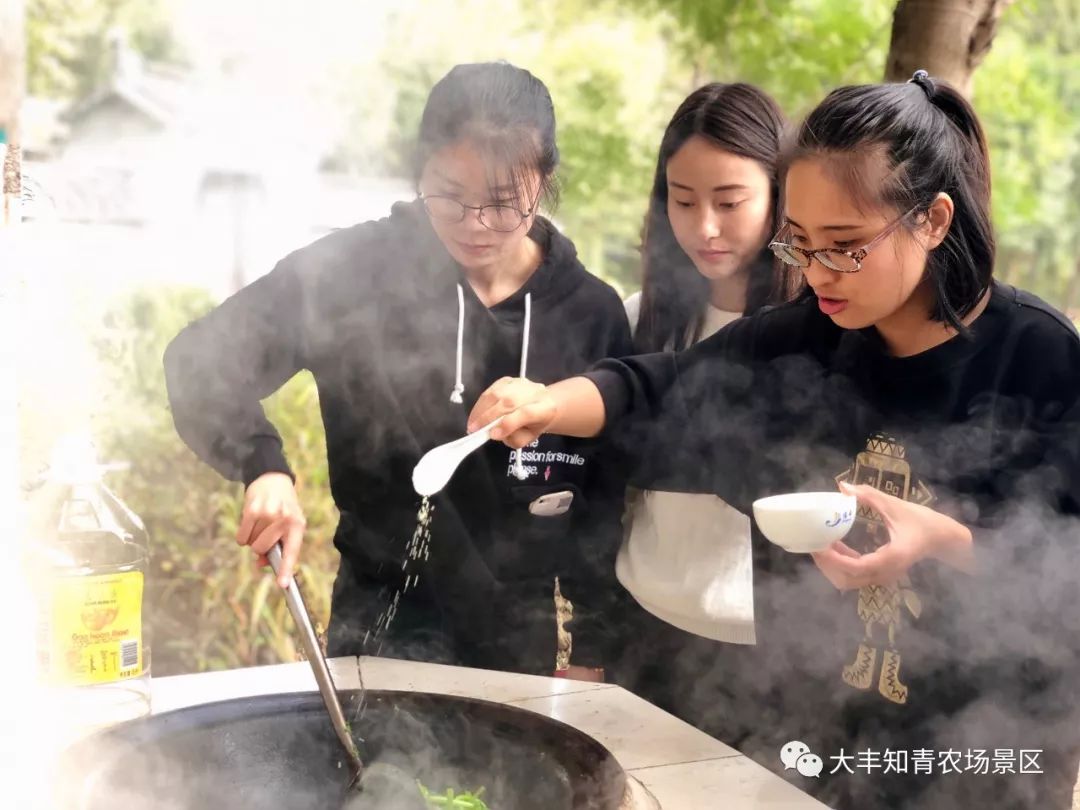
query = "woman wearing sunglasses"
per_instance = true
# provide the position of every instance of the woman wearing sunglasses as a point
(403, 323)
(934, 665)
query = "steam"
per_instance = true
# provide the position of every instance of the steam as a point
(990, 663)
(276, 751)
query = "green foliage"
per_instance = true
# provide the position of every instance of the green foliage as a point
(206, 605)
(796, 49)
(618, 68)
(1028, 93)
(611, 111)
(67, 41)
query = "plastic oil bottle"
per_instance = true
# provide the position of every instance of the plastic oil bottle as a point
(89, 556)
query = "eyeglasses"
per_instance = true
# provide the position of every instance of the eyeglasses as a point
(842, 261)
(501, 218)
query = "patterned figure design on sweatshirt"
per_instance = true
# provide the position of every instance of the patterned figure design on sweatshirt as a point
(882, 465)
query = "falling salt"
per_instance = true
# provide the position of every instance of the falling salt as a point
(417, 549)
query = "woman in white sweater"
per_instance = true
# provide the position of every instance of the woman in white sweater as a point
(686, 559)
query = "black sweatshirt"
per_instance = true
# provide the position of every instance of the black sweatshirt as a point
(373, 313)
(985, 428)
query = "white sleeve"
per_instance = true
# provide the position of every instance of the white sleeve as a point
(633, 310)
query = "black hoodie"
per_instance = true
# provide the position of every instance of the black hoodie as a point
(373, 313)
(984, 427)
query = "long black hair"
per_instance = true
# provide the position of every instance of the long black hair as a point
(900, 145)
(502, 110)
(743, 120)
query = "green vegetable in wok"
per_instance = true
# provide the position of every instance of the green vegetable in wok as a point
(456, 801)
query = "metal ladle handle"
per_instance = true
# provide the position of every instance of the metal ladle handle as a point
(315, 657)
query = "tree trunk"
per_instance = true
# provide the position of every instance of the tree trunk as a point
(947, 38)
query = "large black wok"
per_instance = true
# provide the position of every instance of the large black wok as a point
(279, 751)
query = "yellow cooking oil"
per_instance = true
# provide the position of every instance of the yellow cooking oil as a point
(89, 556)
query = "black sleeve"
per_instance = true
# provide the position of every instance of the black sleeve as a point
(681, 417)
(1033, 506)
(220, 368)
(605, 483)
(1025, 597)
(591, 586)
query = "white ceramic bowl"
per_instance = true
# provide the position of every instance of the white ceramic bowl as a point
(805, 521)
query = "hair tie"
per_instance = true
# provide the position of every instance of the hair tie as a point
(923, 80)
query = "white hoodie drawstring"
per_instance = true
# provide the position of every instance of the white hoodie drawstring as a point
(459, 386)
(519, 469)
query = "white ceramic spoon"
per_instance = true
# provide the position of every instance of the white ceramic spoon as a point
(434, 470)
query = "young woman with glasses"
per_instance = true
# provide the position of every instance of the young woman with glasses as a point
(934, 665)
(403, 322)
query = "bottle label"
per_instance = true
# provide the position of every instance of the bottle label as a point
(95, 630)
